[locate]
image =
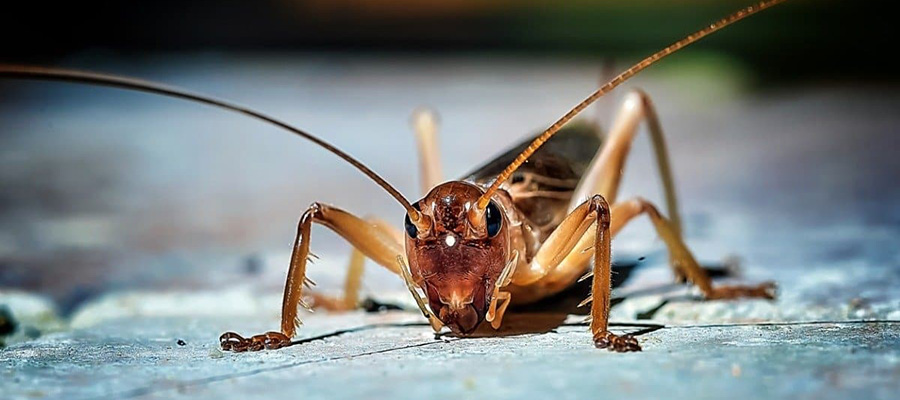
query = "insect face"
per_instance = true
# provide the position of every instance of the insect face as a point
(457, 261)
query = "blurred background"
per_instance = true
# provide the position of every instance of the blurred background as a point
(783, 129)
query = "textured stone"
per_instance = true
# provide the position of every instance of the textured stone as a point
(140, 357)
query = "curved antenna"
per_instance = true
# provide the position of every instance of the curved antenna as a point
(68, 75)
(606, 88)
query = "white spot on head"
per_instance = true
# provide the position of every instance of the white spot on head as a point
(450, 240)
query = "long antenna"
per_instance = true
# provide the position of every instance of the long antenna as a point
(68, 75)
(606, 88)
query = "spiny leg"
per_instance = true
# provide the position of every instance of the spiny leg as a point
(425, 126)
(355, 270)
(681, 259)
(583, 234)
(352, 283)
(375, 243)
(424, 122)
(601, 287)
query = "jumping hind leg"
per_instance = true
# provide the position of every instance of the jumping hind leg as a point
(604, 176)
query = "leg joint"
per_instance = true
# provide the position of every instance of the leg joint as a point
(316, 211)
(641, 97)
(645, 206)
(601, 207)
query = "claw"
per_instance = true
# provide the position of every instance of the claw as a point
(612, 342)
(230, 341)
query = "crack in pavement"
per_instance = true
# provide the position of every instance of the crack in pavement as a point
(739, 324)
(787, 323)
(219, 378)
(648, 328)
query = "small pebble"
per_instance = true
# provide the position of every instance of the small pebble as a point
(216, 353)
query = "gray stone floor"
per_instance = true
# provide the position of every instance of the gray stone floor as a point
(103, 281)
(140, 357)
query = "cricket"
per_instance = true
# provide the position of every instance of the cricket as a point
(522, 227)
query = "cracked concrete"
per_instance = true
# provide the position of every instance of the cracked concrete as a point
(140, 357)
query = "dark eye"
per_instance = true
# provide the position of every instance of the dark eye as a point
(411, 229)
(494, 219)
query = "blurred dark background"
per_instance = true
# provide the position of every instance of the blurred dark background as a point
(801, 40)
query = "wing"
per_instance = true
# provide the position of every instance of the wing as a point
(542, 187)
(565, 156)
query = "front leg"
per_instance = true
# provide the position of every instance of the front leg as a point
(601, 287)
(565, 253)
(370, 239)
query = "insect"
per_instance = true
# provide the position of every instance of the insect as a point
(522, 227)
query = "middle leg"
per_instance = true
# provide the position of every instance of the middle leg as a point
(582, 235)
(564, 267)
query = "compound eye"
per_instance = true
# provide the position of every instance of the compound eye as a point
(411, 229)
(494, 219)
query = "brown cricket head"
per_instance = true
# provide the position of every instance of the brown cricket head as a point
(459, 256)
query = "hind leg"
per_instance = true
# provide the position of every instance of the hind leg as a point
(604, 176)
(682, 261)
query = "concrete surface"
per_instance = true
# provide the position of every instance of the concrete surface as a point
(140, 357)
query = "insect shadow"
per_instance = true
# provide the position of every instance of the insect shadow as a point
(549, 314)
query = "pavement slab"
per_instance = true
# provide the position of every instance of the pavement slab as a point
(394, 356)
